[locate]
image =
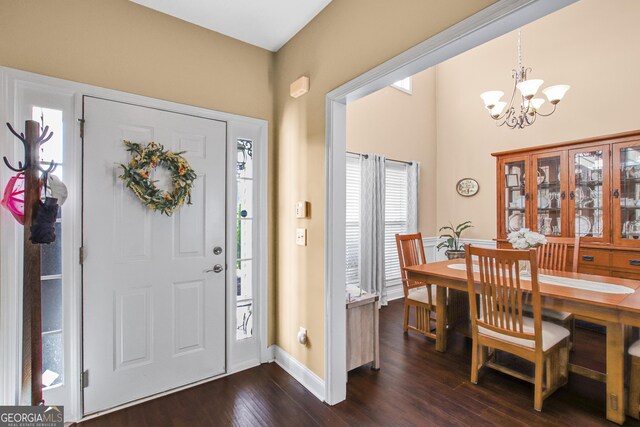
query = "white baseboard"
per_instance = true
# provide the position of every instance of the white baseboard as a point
(301, 373)
(269, 355)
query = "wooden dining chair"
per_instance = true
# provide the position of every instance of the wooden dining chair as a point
(634, 381)
(419, 295)
(555, 256)
(498, 323)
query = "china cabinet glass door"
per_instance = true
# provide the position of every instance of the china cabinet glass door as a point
(516, 199)
(589, 193)
(549, 194)
(626, 193)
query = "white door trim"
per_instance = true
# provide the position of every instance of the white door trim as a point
(10, 271)
(497, 19)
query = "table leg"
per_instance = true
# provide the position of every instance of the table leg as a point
(441, 319)
(615, 373)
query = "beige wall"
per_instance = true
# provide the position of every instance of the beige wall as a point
(120, 45)
(591, 45)
(402, 127)
(346, 39)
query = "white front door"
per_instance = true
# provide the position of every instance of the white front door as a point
(153, 314)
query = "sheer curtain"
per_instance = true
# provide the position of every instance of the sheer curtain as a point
(372, 277)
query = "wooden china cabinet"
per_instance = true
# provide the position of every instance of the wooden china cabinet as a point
(589, 188)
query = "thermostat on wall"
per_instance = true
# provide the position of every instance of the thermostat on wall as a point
(302, 209)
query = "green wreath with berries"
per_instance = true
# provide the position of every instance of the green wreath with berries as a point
(136, 176)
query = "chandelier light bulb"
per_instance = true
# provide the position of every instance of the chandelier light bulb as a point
(528, 88)
(555, 93)
(536, 103)
(498, 109)
(491, 98)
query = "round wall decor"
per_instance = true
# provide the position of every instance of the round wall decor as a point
(467, 187)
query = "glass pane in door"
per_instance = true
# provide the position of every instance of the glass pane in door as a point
(514, 174)
(588, 194)
(51, 260)
(244, 239)
(630, 192)
(549, 201)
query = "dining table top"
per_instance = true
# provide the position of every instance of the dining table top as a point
(629, 302)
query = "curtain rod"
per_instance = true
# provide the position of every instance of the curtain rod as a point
(392, 160)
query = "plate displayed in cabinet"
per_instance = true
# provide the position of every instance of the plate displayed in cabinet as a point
(583, 225)
(516, 221)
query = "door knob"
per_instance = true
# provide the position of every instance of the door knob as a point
(216, 269)
(217, 250)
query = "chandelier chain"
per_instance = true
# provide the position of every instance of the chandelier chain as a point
(519, 53)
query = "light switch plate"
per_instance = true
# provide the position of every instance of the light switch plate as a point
(301, 210)
(301, 236)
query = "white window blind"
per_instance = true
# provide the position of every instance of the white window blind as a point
(395, 220)
(396, 192)
(353, 220)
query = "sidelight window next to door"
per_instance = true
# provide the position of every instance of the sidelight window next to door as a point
(51, 262)
(245, 226)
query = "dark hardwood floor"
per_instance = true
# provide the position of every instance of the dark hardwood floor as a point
(415, 386)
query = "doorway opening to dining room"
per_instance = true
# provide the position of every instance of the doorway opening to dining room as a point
(451, 137)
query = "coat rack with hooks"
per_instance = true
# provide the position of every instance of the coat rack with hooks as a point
(32, 139)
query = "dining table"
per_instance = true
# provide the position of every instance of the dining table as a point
(609, 301)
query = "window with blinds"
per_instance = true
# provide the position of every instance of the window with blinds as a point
(395, 217)
(396, 191)
(353, 219)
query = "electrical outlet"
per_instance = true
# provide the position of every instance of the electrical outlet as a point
(301, 236)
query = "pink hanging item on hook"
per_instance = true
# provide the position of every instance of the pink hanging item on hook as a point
(13, 198)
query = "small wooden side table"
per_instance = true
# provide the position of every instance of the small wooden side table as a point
(363, 332)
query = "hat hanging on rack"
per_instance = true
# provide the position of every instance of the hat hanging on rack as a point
(57, 189)
(13, 198)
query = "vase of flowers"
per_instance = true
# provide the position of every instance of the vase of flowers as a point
(525, 239)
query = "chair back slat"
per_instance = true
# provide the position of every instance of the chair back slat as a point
(553, 255)
(498, 286)
(410, 252)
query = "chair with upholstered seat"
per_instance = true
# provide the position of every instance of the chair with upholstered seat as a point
(554, 256)
(419, 295)
(498, 323)
(634, 381)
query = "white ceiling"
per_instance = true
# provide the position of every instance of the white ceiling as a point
(265, 23)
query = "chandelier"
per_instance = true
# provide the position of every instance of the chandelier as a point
(524, 114)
